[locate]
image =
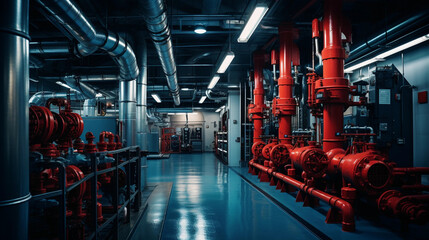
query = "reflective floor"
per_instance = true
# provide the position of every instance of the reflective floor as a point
(210, 201)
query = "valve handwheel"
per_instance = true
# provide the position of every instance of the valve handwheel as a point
(74, 174)
(279, 155)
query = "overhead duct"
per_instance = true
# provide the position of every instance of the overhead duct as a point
(50, 48)
(75, 22)
(40, 98)
(86, 90)
(156, 21)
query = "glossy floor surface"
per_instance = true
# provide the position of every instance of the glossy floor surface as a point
(211, 201)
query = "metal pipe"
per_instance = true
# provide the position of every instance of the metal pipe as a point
(50, 48)
(386, 36)
(127, 111)
(285, 104)
(86, 90)
(141, 107)
(40, 98)
(89, 107)
(348, 220)
(97, 78)
(371, 130)
(258, 93)
(14, 155)
(90, 39)
(317, 51)
(209, 96)
(157, 25)
(333, 89)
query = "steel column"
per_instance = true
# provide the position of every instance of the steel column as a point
(14, 164)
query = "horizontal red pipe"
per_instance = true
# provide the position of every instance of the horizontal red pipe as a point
(421, 170)
(348, 221)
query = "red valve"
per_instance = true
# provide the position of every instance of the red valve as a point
(409, 208)
(279, 155)
(90, 147)
(312, 160)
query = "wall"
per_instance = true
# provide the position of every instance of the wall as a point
(416, 71)
(234, 129)
(199, 119)
(96, 125)
(211, 120)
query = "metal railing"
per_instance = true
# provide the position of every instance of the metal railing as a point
(127, 156)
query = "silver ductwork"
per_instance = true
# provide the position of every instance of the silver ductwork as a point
(156, 21)
(90, 39)
(86, 90)
(98, 78)
(127, 111)
(89, 107)
(141, 125)
(40, 98)
(14, 89)
(50, 48)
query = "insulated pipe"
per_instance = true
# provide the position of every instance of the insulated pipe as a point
(141, 126)
(50, 48)
(14, 74)
(333, 89)
(86, 90)
(157, 25)
(90, 39)
(97, 78)
(89, 107)
(40, 98)
(284, 106)
(141, 107)
(127, 111)
(348, 221)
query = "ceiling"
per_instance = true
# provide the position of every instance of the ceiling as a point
(196, 55)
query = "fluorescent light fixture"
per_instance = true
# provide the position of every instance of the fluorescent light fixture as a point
(384, 55)
(253, 22)
(225, 62)
(185, 89)
(64, 85)
(156, 97)
(214, 81)
(98, 95)
(203, 98)
(200, 30)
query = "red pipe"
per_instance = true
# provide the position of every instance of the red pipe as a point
(333, 89)
(284, 106)
(256, 110)
(420, 170)
(348, 221)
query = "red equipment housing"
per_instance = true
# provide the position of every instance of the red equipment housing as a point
(311, 160)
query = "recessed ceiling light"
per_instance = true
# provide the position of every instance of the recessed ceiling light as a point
(200, 30)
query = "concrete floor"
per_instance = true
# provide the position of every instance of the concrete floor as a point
(212, 201)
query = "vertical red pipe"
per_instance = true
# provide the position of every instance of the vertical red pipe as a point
(333, 87)
(285, 104)
(258, 92)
